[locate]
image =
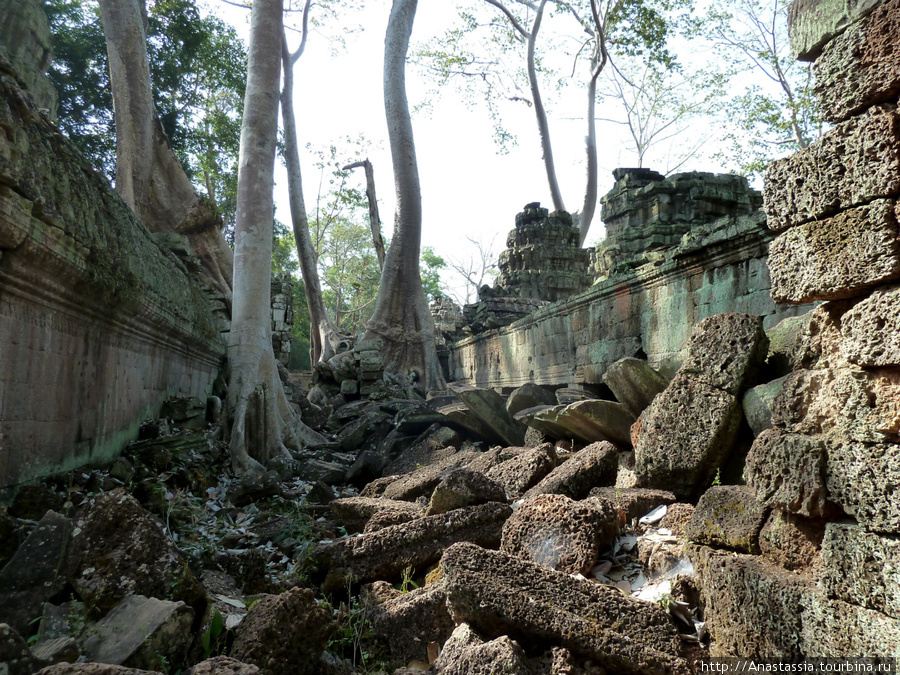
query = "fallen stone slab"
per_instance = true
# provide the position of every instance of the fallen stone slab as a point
(384, 519)
(422, 481)
(223, 665)
(15, 657)
(559, 533)
(284, 634)
(435, 443)
(792, 541)
(383, 555)
(93, 669)
(837, 257)
(354, 512)
(687, 433)
(528, 395)
(542, 418)
(464, 487)
(871, 329)
(519, 473)
(495, 657)
(33, 501)
(142, 632)
(861, 66)
(633, 503)
(728, 516)
(491, 408)
(727, 351)
(499, 594)
(757, 404)
(118, 549)
(834, 629)
(863, 479)
(862, 568)
(36, 572)
(593, 466)
(785, 345)
(570, 425)
(787, 471)
(56, 650)
(852, 164)
(460, 415)
(604, 420)
(634, 383)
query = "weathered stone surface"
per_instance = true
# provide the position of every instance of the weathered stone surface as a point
(784, 344)
(862, 568)
(593, 466)
(496, 657)
(524, 470)
(813, 23)
(753, 608)
(852, 164)
(143, 633)
(634, 383)
(56, 650)
(462, 416)
(528, 395)
(559, 533)
(26, 42)
(677, 517)
(861, 66)
(728, 516)
(757, 405)
(687, 433)
(499, 594)
(433, 444)
(354, 512)
(93, 669)
(383, 519)
(284, 634)
(791, 541)
(863, 479)
(838, 257)
(871, 329)
(15, 657)
(36, 572)
(599, 420)
(386, 553)
(491, 408)
(832, 628)
(726, 350)
(422, 481)
(407, 622)
(118, 549)
(463, 487)
(788, 471)
(33, 501)
(632, 502)
(372, 423)
(224, 665)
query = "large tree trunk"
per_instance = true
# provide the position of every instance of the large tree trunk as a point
(323, 333)
(402, 318)
(262, 422)
(149, 177)
(374, 218)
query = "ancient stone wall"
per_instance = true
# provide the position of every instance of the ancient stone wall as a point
(99, 322)
(650, 309)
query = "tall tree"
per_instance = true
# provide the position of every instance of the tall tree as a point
(262, 422)
(402, 318)
(149, 177)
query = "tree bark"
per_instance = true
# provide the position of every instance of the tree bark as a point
(262, 422)
(402, 318)
(374, 218)
(149, 177)
(323, 334)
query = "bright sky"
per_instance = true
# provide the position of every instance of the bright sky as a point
(469, 188)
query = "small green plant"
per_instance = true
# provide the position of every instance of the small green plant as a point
(407, 584)
(213, 637)
(718, 479)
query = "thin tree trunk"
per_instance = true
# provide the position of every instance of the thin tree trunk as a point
(149, 177)
(402, 318)
(262, 422)
(374, 218)
(323, 333)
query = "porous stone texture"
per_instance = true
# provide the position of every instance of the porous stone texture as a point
(407, 622)
(832, 628)
(813, 23)
(838, 257)
(15, 657)
(118, 549)
(383, 519)
(728, 516)
(498, 594)
(143, 633)
(598, 420)
(632, 502)
(386, 553)
(677, 517)
(521, 472)
(557, 532)
(863, 479)
(36, 572)
(861, 66)
(634, 383)
(422, 481)
(354, 512)
(752, 607)
(726, 350)
(862, 568)
(224, 665)
(464, 488)
(757, 405)
(788, 471)
(871, 329)
(593, 466)
(791, 541)
(682, 452)
(496, 657)
(93, 669)
(854, 163)
(491, 408)
(785, 339)
(284, 634)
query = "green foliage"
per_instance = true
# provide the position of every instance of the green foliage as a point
(284, 250)
(355, 638)
(431, 266)
(214, 636)
(198, 70)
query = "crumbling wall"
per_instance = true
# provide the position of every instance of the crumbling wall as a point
(99, 323)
